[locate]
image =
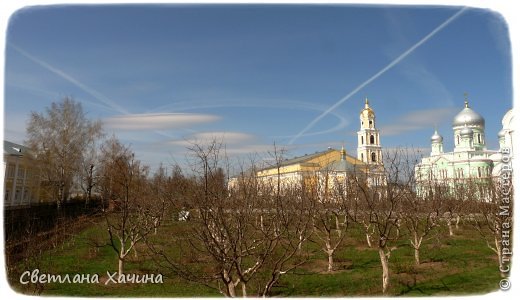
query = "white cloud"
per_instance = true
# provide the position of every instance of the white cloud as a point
(226, 137)
(220, 101)
(419, 119)
(250, 149)
(157, 121)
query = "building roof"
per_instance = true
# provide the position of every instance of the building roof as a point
(436, 137)
(468, 117)
(11, 148)
(340, 166)
(305, 158)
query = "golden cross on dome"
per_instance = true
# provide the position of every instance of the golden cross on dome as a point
(466, 100)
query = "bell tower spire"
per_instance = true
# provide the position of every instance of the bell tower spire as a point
(369, 147)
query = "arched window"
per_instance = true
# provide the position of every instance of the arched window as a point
(362, 140)
(370, 123)
(373, 157)
(371, 139)
(479, 139)
(458, 140)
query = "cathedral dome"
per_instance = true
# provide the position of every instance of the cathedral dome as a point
(436, 137)
(466, 131)
(469, 117)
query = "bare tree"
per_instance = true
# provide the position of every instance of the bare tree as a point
(491, 209)
(160, 191)
(378, 197)
(330, 206)
(241, 255)
(124, 183)
(454, 203)
(59, 138)
(88, 177)
(420, 216)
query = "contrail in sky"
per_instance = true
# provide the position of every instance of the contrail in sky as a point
(97, 95)
(102, 98)
(375, 76)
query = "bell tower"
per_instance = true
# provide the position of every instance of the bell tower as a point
(369, 146)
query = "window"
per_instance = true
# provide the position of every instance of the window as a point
(362, 157)
(370, 123)
(458, 140)
(373, 157)
(362, 141)
(21, 172)
(371, 139)
(479, 139)
(10, 171)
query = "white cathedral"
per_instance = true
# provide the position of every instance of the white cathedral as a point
(470, 158)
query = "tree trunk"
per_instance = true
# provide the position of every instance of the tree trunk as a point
(331, 260)
(416, 246)
(450, 227)
(231, 289)
(244, 289)
(121, 267)
(155, 225)
(457, 222)
(367, 233)
(338, 229)
(501, 265)
(369, 242)
(384, 265)
(274, 279)
(121, 259)
(230, 286)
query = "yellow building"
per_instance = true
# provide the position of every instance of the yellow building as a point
(306, 169)
(21, 176)
(324, 168)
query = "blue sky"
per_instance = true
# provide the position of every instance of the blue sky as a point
(159, 76)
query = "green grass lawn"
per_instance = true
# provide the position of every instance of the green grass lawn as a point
(457, 265)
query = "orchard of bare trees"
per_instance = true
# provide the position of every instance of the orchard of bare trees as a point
(252, 234)
(242, 239)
